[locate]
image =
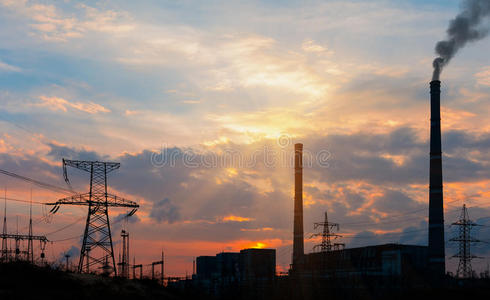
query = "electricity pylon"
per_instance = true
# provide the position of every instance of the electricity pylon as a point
(464, 239)
(97, 239)
(326, 234)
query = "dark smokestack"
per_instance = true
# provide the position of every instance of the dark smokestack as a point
(463, 29)
(298, 241)
(437, 262)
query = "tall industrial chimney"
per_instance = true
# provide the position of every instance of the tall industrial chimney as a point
(437, 261)
(298, 242)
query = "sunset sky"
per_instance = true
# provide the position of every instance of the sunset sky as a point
(173, 89)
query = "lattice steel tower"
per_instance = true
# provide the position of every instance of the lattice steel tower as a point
(124, 262)
(464, 239)
(327, 234)
(97, 239)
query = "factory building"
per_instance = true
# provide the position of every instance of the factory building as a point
(206, 266)
(233, 267)
(257, 264)
(388, 260)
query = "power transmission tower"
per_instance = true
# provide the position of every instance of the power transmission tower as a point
(97, 239)
(326, 234)
(464, 239)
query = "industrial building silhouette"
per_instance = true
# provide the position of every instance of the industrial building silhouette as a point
(251, 273)
(375, 263)
(379, 260)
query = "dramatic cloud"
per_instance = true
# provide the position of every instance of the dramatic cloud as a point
(225, 96)
(164, 211)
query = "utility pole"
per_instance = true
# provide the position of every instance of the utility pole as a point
(17, 240)
(4, 232)
(97, 239)
(465, 240)
(67, 257)
(326, 234)
(30, 246)
(125, 254)
(135, 266)
(161, 263)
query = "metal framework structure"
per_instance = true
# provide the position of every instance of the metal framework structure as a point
(327, 235)
(97, 239)
(135, 266)
(6, 253)
(30, 241)
(156, 263)
(4, 232)
(465, 240)
(17, 253)
(124, 260)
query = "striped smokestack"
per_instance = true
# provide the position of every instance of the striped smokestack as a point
(437, 262)
(298, 242)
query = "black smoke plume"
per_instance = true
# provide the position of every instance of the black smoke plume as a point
(466, 27)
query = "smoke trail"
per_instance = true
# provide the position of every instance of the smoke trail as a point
(466, 27)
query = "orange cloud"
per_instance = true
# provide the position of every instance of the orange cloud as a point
(56, 103)
(483, 77)
(232, 218)
(258, 229)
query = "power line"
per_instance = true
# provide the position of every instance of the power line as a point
(38, 183)
(65, 227)
(67, 239)
(395, 216)
(24, 201)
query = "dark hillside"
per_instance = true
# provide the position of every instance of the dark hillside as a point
(25, 281)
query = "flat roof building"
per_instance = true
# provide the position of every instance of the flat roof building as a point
(248, 264)
(379, 260)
